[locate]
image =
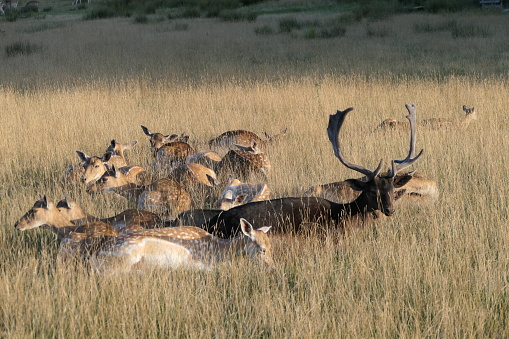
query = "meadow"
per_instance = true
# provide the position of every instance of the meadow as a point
(435, 270)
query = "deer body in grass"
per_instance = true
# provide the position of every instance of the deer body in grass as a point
(436, 123)
(126, 219)
(187, 246)
(287, 215)
(167, 247)
(163, 196)
(244, 162)
(231, 139)
(238, 193)
(168, 150)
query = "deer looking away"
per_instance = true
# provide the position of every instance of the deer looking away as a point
(238, 193)
(231, 139)
(162, 196)
(244, 162)
(436, 123)
(286, 215)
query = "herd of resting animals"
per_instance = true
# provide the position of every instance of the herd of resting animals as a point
(164, 230)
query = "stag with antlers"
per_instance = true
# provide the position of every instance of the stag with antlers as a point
(287, 215)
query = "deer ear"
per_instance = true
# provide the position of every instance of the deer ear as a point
(264, 229)
(246, 228)
(113, 142)
(146, 131)
(83, 156)
(106, 157)
(356, 185)
(402, 180)
(130, 144)
(213, 181)
(116, 173)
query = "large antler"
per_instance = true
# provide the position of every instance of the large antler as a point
(335, 123)
(411, 158)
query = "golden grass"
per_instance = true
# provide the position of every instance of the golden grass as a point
(439, 270)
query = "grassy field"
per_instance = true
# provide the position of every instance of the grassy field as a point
(439, 270)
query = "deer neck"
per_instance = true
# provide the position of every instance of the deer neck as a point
(60, 225)
(357, 208)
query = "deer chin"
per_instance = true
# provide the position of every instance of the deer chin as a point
(388, 212)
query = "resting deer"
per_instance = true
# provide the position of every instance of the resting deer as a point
(94, 168)
(117, 149)
(163, 196)
(128, 218)
(231, 139)
(244, 162)
(436, 123)
(189, 247)
(74, 238)
(168, 150)
(238, 193)
(288, 214)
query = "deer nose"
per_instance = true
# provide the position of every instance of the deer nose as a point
(389, 212)
(16, 224)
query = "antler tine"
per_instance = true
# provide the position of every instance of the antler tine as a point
(335, 123)
(411, 158)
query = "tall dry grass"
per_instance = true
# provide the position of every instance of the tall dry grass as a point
(431, 271)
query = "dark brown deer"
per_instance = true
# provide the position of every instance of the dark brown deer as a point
(286, 215)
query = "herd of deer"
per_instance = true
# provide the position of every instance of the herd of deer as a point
(165, 231)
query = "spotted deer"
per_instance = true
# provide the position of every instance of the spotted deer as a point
(168, 150)
(232, 139)
(128, 218)
(163, 196)
(94, 168)
(244, 163)
(435, 123)
(288, 215)
(188, 247)
(238, 193)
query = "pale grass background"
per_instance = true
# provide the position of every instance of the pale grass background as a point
(439, 270)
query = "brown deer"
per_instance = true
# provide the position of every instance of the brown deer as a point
(288, 214)
(163, 196)
(94, 168)
(117, 149)
(128, 218)
(231, 139)
(435, 123)
(238, 193)
(168, 150)
(244, 162)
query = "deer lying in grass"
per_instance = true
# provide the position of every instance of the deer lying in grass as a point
(94, 168)
(169, 150)
(436, 123)
(189, 247)
(231, 139)
(163, 196)
(195, 217)
(168, 247)
(238, 193)
(244, 163)
(117, 150)
(74, 238)
(288, 214)
(128, 218)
